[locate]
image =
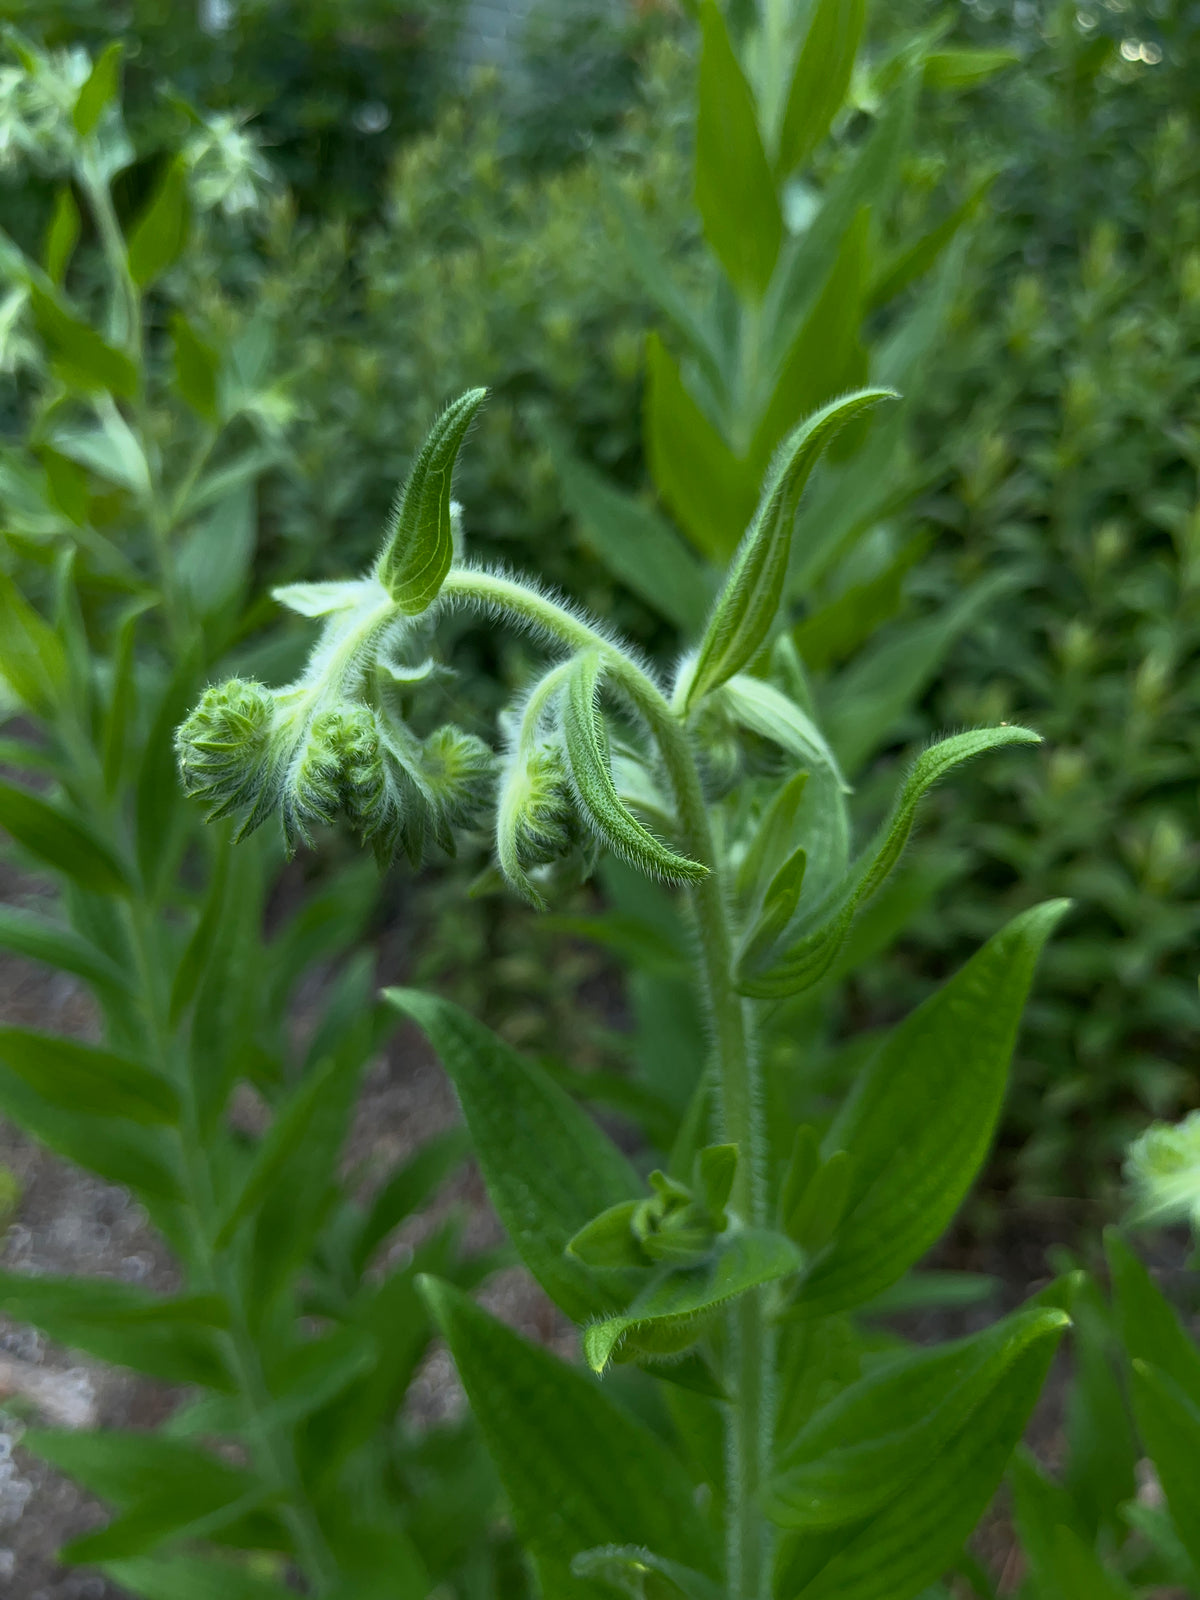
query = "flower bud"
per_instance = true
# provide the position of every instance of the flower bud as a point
(458, 770)
(1163, 1168)
(224, 746)
(547, 826)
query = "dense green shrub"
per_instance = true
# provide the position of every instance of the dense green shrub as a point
(1064, 413)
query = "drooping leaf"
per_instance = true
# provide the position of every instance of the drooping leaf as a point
(735, 190)
(175, 1338)
(419, 542)
(822, 933)
(742, 618)
(548, 1167)
(680, 1301)
(579, 1471)
(761, 708)
(592, 779)
(880, 1434)
(922, 1115)
(85, 1079)
(820, 79)
(60, 840)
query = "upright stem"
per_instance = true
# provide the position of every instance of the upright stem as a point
(751, 1415)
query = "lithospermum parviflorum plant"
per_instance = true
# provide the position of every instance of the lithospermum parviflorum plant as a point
(778, 1450)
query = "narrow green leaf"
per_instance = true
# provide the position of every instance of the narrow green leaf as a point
(99, 89)
(776, 909)
(914, 259)
(1150, 1327)
(122, 1152)
(634, 543)
(870, 1443)
(919, 1533)
(159, 236)
(709, 490)
(196, 367)
(813, 1217)
(735, 190)
(83, 359)
(57, 839)
(548, 1167)
(193, 1578)
(37, 938)
(671, 1312)
(171, 1338)
(823, 933)
(83, 1078)
(1080, 1571)
(1169, 1423)
(820, 80)
(579, 1471)
(965, 69)
(61, 236)
(419, 544)
(922, 1116)
(591, 777)
(743, 615)
(32, 660)
(761, 708)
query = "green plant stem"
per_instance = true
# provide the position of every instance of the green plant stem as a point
(751, 1416)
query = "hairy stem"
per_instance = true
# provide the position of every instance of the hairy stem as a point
(751, 1420)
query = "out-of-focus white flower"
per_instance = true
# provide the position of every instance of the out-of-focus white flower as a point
(38, 95)
(227, 169)
(1163, 1168)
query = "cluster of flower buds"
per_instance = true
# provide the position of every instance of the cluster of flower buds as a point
(677, 1224)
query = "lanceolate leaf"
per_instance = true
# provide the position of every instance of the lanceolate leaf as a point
(25, 933)
(822, 934)
(821, 78)
(870, 1443)
(591, 776)
(1150, 1327)
(920, 1532)
(171, 1338)
(920, 1121)
(32, 660)
(1169, 1423)
(735, 190)
(548, 1167)
(579, 1471)
(626, 1568)
(677, 1303)
(742, 618)
(60, 841)
(193, 1578)
(88, 1080)
(159, 236)
(419, 545)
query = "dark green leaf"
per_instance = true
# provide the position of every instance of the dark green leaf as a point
(579, 1471)
(735, 191)
(1150, 1327)
(59, 840)
(642, 1575)
(24, 933)
(880, 1434)
(922, 1115)
(83, 359)
(1169, 1423)
(61, 236)
(171, 1338)
(194, 1578)
(821, 78)
(197, 367)
(87, 1080)
(547, 1166)
(32, 659)
(745, 611)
